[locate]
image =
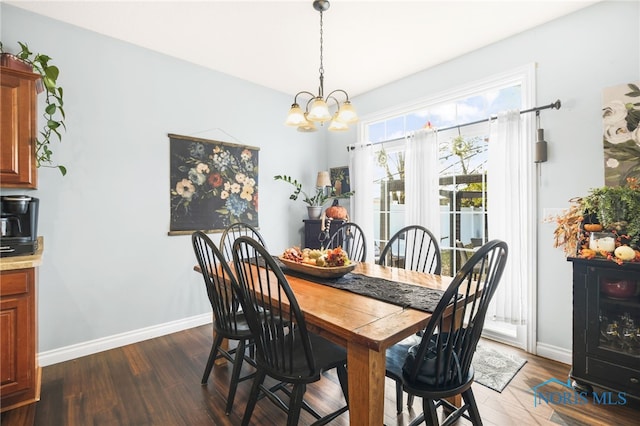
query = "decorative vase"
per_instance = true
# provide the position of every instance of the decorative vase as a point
(314, 212)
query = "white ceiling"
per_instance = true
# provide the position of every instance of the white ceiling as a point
(276, 43)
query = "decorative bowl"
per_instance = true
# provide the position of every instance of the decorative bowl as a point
(619, 289)
(318, 271)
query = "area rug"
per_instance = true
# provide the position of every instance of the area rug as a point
(495, 369)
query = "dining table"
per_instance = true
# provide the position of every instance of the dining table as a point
(366, 326)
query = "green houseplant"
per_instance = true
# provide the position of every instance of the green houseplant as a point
(614, 209)
(54, 114)
(316, 200)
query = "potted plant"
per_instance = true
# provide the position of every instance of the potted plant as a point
(316, 201)
(614, 210)
(54, 110)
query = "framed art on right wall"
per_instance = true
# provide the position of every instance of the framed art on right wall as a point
(621, 133)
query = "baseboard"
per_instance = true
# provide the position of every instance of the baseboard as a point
(553, 352)
(98, 345)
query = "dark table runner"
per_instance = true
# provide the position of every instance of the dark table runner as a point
(401, 294)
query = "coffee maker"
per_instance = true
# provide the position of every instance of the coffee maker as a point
(18, 225)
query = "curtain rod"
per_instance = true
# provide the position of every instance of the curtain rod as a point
(555, 105)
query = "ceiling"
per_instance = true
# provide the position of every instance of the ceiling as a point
(276, 43)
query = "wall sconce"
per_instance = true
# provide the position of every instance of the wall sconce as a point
(541, 144)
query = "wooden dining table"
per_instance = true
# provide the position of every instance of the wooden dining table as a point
(366, 327)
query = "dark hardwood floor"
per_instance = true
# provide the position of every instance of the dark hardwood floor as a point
(157, 382)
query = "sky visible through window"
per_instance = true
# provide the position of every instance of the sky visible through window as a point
(470, 109)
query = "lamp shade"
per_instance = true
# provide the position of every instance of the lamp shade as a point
(337, 125)
(295, 116)
(319, 111)
(323, 179)
(307, 126)
(346, 113)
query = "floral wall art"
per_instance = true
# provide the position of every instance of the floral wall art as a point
(621, 137)
(213, 184)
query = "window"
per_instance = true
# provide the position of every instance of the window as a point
(462, 168)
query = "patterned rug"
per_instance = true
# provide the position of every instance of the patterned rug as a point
(495, 369)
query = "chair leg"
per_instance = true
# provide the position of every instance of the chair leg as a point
(235, 375)
(470, 400)
(253, 397)
(295, 404)
(409, 400)
(344, 382)
(430, 415)
(398, 397)
(212, 358)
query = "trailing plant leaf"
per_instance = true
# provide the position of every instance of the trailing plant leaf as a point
(53, 112)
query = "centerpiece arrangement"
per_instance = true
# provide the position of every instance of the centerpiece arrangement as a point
(329, 263)
(604, 224)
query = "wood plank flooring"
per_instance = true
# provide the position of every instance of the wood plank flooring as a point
(157, 382)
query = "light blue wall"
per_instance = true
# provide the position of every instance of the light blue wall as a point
(576, 56)
(109, 266)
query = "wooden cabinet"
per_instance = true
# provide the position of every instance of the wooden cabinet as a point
(18, 109)
(606, 326)
(19, 373)
(315, 236)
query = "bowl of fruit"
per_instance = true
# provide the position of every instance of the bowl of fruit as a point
(329, 263)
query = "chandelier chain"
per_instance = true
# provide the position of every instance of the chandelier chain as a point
(321, 69)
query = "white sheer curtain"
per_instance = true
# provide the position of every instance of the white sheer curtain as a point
(421, 181)
(361, 175)
(509, 215)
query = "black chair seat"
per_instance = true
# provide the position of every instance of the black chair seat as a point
(241, 328)
(327, 356)
(396, 356)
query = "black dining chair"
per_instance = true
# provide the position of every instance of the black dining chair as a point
(413, 247)
(352, 240)
(229, 323)
(232, 232)
(285, 350)
(439, 365)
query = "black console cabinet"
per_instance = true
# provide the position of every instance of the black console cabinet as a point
(606, 329)
(314, 235)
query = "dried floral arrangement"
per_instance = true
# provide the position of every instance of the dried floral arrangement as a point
(611, 209)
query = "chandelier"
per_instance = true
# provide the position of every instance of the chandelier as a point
(317, 108)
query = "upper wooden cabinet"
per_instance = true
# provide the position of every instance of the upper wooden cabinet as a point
(18, 108)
